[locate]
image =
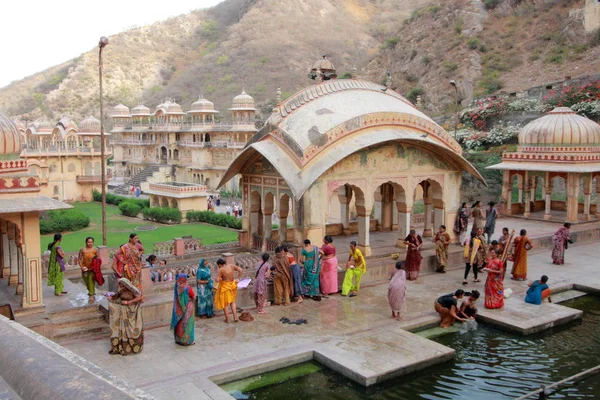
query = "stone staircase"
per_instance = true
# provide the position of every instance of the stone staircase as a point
(136, 180)
(78, 322)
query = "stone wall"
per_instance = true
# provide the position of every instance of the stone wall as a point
(37, 368)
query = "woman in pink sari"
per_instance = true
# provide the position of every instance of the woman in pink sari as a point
(412, 265)
(561, 240)
(329, 264)
(127, 261)
(397, 290)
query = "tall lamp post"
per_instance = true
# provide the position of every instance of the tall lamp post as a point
(101, 44)
(453, 84)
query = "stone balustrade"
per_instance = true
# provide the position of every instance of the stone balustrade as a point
(177, 188)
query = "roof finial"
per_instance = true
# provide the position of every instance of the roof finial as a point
(278, 98)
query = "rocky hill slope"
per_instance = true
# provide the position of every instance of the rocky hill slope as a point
(259, 45)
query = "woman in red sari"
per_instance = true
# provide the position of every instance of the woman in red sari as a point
(412, 265)
(494, 285)
(522, 245)
(127, 261)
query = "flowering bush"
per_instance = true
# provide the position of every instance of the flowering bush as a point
(589, 109)
(471, 139)
(570, 95)
(482, 109)
(525, 105)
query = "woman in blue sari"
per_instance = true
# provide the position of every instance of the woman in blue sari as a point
(182, 319)
(204, 286)
(310, 279)
(538, 291)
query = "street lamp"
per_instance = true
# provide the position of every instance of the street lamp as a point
(453, 84)
(102, 44)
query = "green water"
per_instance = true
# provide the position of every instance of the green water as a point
(489, 364)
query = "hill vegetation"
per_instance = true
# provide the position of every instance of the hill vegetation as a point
(485, 46)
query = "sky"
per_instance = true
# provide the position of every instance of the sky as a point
(37, 34)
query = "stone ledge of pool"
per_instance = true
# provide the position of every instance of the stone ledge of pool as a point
(367, 359)
(526, 319)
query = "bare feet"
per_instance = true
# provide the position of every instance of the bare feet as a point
(226, 320)
(262, 312)
(300, 300)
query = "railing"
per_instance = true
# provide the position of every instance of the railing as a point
(257, 242)
(270, 244)
(132, 141)
(192, 245)
(164, 248)
(221, 246)
(53, 150)
(91, 178)
(178, 188)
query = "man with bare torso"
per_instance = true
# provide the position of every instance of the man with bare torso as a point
(227, 290)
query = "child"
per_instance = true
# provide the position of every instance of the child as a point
(467, 308)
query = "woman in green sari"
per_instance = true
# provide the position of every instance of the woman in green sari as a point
(56, 266)
(182, 319)
(309, 258)
(204, 286)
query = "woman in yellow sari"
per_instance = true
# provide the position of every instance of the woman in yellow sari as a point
(355, 269)
(522, 245)
(127, 262)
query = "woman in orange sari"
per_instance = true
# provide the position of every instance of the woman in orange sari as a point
(127, 262)
(522, 245)
(494, 285)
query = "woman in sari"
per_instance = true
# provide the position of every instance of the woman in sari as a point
(86, 256)
(309, 258)
(413, 255)
(521, 246)
(56, 266)
(561, 240)
(204, 287)
(494, 285)
(127, 261)
(296, 275)
(461, 223)
(490, 221)
(397, 290)
(355, 269)
(182, 319)
(538, 291)
(126, 323)
(441, 240)
(329, 264)
(263, 272)
(477, 214)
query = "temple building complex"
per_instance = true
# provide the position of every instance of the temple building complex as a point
(21, 202)
(560, 149)
(66, 157)
(170, 145)
(341, 143)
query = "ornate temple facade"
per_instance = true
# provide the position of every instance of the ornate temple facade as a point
(347, 142)
(66, 157)
(21, 202)
(560, 150)
(196, 145)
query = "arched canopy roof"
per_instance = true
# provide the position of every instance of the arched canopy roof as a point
(321, 125)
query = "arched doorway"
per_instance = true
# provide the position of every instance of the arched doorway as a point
(163, 155)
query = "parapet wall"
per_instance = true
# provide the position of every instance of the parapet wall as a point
(37, 368)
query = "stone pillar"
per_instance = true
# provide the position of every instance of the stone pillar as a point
(527, 212)
(507, 191)
(20, 266)
(572, 197)
(254, 220)
(547, 197)
(521, 182)
(147, 287)
(228, 257)
(386, 208)
(598, 196)
(344, 199)
(587, 198)
(283, 212)
(438, 207)
(428, 223)
(532, 189)
(404, 220)
(179, 246)
(13, 278)
(267, 224)
(377, 207)
(32, 267)
(5, 252)
(363, 233)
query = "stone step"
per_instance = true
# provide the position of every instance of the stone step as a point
(567, 295)
(7, 392)
(75, 311)
(82, 320)
(97, 329)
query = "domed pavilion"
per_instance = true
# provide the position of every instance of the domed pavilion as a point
(20, 208)
(343, 141)
(557, 161)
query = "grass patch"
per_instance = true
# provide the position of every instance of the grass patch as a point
(119, 227)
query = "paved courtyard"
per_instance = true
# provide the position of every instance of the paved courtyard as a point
(357, 332)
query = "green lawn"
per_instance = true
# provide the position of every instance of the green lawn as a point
(119, 227)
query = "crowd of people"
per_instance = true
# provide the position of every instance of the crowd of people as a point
(314, 275)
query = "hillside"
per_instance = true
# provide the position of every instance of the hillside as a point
(256, 44)
(502, 45)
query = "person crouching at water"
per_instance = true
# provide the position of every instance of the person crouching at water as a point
(446, 306)
(538, 291)
(227, 291)
(467, 307)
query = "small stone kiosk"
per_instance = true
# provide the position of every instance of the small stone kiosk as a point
(345, 139)
(20, 208)
(559, 149)
(181, 195)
